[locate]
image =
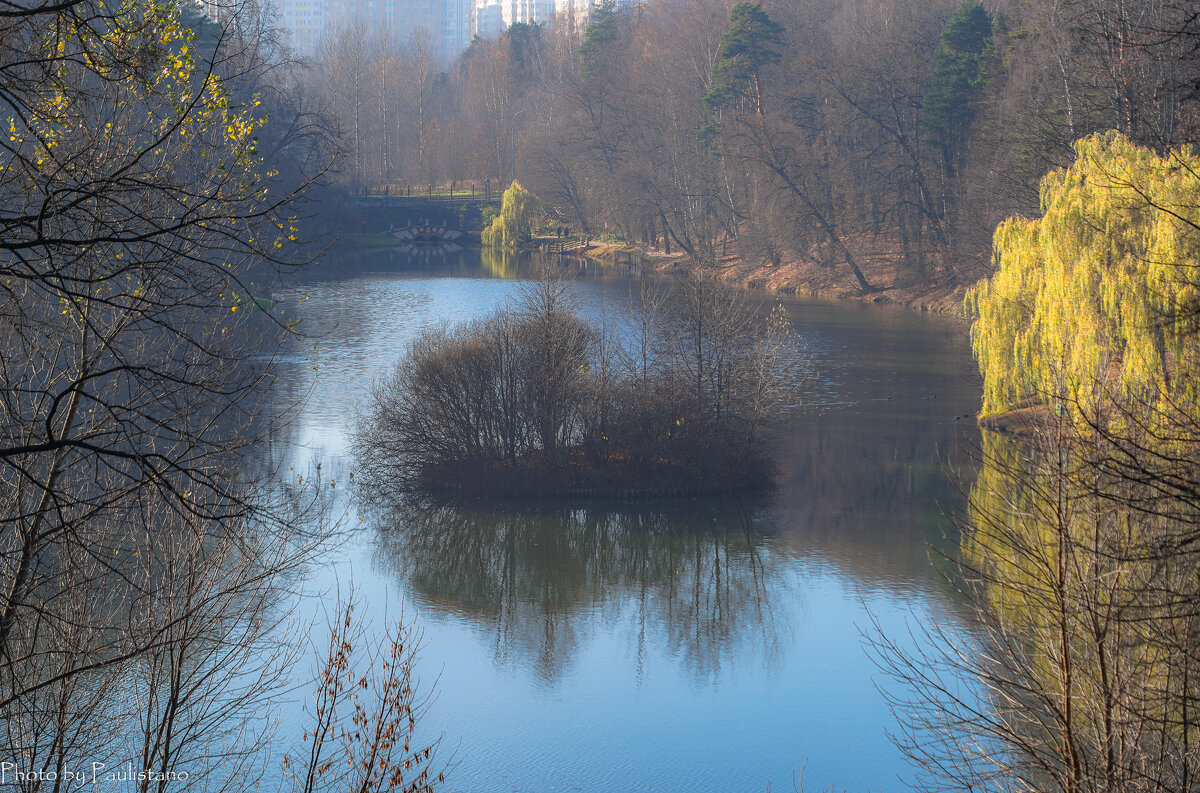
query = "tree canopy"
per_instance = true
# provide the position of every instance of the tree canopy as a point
(1093, 296)
(752, 41)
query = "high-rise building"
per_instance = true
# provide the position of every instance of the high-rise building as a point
(489, 19)
(492, 17)
(450, 24)
(530, 11)
(304, 21)
(446, 22)
(573, 13)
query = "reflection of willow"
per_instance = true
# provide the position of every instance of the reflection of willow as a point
(701, 582)
(1087, 664)
(499, 263)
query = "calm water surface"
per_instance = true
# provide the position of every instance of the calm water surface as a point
(702, 645)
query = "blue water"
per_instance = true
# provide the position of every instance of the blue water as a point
(693, 646)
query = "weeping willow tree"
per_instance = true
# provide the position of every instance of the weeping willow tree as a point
(514, 224)
(1091, 300)
(1079, 549)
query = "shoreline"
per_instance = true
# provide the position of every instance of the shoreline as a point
(1023, 422)
(797, 278)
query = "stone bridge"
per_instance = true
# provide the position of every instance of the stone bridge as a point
(427, 236)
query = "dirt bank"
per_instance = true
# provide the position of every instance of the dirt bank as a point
(891, 282)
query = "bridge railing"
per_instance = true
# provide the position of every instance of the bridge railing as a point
(565, 245)
(395, 195)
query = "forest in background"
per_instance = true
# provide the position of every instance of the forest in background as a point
(148, 206)
(881, 139)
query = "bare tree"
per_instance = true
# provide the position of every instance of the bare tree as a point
(363, 735)
(1080, 671)
(139, 554)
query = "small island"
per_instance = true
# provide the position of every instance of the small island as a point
(670, 399)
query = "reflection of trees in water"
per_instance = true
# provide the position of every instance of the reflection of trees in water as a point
(499, 263)
(342, 265)
(871, 493)
(867, 476)
(1080, 671)
(700, 582)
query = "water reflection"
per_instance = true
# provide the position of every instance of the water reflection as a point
(499, 263)
(697, 646)
(700, 581)
(869, 494)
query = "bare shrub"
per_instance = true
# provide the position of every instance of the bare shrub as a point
(676, 404)
(364, 722)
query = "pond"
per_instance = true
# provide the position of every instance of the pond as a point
(691, 645)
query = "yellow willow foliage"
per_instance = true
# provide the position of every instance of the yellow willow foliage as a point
(1069, 577)
(514, 224)
(1086, 298)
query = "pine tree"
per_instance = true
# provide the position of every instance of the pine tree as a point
(959, 75)
(752, 41)
(599, 38)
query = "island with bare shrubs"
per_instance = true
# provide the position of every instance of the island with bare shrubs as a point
(673, 398)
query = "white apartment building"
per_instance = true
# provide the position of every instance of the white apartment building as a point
(530, 11)
(491, 17)
(451, 24)
(448, 22)
(304, 20)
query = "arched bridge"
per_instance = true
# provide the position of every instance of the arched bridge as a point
(426, 236)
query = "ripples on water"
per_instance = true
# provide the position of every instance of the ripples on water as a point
(710, 645)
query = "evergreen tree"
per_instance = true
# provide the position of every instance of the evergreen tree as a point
(599, 39)
(959, 75)
(523, 40)
(752, 41)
